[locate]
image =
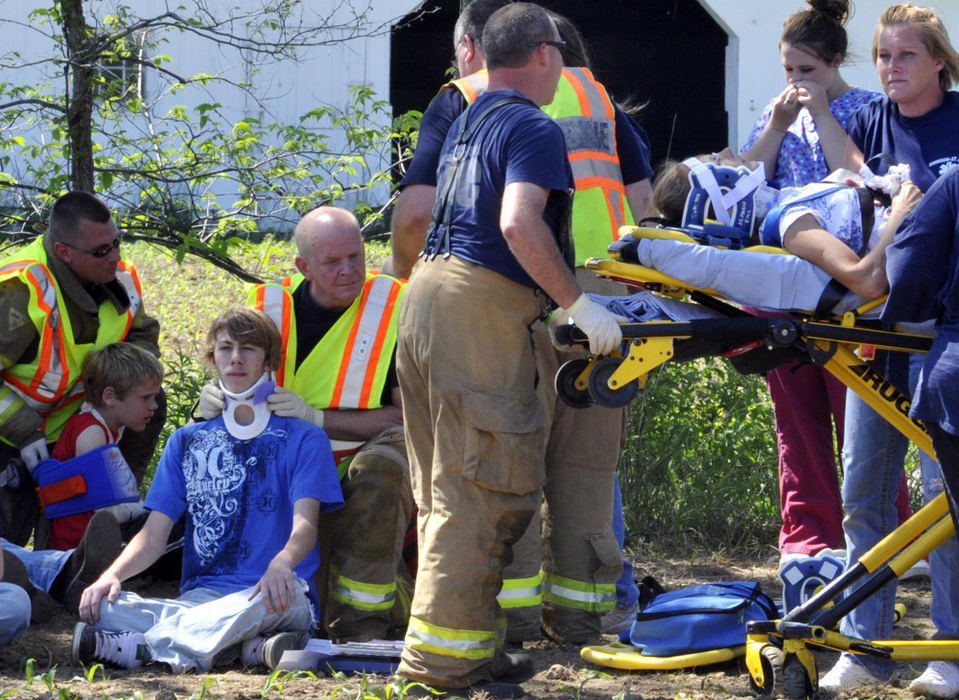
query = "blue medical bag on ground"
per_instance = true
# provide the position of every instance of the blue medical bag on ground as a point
(700, 618)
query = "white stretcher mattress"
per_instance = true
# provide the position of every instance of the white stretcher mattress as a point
(766, 281)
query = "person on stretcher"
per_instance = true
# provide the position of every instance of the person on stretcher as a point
(839, 228)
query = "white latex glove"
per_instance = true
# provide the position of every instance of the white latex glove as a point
(211, 403)
(599, 324)
(34, 453)
(284, 402)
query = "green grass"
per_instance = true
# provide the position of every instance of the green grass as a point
(699, 467)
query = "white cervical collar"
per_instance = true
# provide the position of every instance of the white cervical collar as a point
(255, 398)
(765, 200)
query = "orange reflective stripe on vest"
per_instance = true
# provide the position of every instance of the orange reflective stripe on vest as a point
(365, 344)
(472, 86)
(50, 379)
(276, 302)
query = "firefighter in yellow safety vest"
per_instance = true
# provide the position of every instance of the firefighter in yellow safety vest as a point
(61, 296)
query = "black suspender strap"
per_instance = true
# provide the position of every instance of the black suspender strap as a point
(438, 238)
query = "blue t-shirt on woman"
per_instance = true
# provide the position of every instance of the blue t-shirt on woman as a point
(927, 143)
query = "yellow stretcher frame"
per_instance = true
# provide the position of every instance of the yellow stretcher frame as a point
(629, 658)
(777, 655)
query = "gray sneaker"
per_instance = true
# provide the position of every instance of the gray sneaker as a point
(123, 649)
(267, 651)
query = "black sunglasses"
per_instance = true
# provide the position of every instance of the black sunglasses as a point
(101, 251)
(558, 43)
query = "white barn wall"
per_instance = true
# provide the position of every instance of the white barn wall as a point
(322, 76)
(325, 75)
(753, 71)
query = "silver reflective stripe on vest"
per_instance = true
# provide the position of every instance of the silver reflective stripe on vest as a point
(273, 295)
(594, 167)
(363, 342)
(598, 104)
(613, 201)
(130, 287)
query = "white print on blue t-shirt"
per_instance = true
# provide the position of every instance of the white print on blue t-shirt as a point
(941, 166)
(213, 481)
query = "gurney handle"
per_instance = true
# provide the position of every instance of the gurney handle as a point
(747, 328)
(569, 334)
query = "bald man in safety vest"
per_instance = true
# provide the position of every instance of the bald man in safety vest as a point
(62, 296)
(338, 323)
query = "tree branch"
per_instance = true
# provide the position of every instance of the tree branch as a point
(34, 101)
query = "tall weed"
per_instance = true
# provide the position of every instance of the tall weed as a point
(699, 468)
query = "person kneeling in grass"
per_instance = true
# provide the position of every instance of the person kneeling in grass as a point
(251, 485)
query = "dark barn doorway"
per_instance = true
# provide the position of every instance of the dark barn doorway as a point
(669, 54)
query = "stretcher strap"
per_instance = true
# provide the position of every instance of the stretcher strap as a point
(62, 490)
(831, 295)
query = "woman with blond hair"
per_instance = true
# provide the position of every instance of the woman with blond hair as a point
(915, 122)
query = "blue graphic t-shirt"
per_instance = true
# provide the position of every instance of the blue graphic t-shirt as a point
(238, 496)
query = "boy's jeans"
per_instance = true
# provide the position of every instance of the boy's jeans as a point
(202, 626)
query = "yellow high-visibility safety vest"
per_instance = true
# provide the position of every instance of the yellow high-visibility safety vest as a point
(51, 384)
(584, 111)
(364, 339)
(472, 86)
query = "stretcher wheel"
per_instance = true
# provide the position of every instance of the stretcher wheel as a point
(566, 386)
(599, 389)
(796, 681)
(772, 661)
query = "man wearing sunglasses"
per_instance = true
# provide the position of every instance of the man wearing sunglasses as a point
(63, 295)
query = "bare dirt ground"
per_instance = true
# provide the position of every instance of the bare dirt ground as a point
(560, 672)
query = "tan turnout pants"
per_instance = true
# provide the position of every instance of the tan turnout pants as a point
(475, 430)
